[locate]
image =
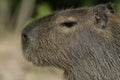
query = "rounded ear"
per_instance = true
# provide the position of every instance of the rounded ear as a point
(110, 8)
(100, 15)
(100, 12)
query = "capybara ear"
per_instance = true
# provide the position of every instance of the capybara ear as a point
(100, 16)
(110, 7)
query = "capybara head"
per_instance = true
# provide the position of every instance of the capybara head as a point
(84, 42)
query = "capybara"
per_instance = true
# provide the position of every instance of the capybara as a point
(84, 42)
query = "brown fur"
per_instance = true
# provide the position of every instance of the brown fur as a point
(84, 42)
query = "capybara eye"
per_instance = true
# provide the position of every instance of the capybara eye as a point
(68, 24)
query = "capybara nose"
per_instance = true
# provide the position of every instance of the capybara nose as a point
(24, 37)
(27, 34)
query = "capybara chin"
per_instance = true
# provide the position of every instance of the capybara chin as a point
(84, 42)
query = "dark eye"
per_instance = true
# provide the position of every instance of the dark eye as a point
(68, 24)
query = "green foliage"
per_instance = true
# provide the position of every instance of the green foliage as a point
(13, 4)
(88, 2)
(43, 9)
(118, 7)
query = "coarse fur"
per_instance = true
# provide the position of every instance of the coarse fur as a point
(84, 42)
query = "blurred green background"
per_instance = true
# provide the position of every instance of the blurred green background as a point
(14, 15)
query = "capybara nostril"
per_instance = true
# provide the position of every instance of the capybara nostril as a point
(24, 38)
